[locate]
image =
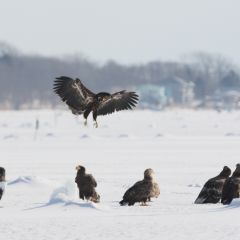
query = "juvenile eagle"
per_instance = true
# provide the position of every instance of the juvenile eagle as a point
(142, 191)
(212, 189)
(86, 185)
(82, 101)
(2, 181)
(231, 188)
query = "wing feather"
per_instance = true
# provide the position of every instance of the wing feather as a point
(138, 192)
(117, 102)
(211, 191)
(73, 93)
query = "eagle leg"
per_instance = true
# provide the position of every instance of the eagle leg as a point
(144, 204)
(95, 118)
(96, 124)
(85, 115)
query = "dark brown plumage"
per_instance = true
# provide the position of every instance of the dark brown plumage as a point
(231, 188)
(86, 185)
(142, 191)
(212, 189)
(82, 101)
(2, 181)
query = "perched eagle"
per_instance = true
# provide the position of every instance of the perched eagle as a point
(142, 191)
(2, 181)
(231, 188)
(212, 189)
(82, 101)
(86, 185)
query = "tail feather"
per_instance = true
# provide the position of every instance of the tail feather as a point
(202, 197)
(200, 200)
(122, 203)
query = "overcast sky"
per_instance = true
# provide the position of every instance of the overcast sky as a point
(128, 31)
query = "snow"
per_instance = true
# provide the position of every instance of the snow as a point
(184, 147)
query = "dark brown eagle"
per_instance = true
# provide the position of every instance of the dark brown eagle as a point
(231, 188)
(86, 185)
(142, 191)
(212, 189)
(2, 181)
(82, 101)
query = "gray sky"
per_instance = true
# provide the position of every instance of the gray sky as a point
(129, 31)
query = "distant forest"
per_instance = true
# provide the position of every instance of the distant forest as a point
(201, 80)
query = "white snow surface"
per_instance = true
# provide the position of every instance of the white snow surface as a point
(184, 147)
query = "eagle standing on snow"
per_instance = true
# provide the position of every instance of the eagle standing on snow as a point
(82, 101)
(231, 188)
(212, 189)
(142, 191)
(86, 185)
(2, 181)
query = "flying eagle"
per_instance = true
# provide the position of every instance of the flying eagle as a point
(86, 185)
(231, 188)
(142, 191)
(2, 181)
(212, 189)
(83, 101)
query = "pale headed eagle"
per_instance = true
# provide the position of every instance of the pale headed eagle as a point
(142, 191)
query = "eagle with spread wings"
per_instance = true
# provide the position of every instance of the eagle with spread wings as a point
(83, 101)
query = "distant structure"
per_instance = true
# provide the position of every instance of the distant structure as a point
(36, 128)
(170, 92)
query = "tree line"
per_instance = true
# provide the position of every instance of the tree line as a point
(26, 80)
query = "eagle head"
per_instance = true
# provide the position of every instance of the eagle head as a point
(80, 168)
(149, 174)
(226, 172)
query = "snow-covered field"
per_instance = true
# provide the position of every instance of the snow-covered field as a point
(185, 148)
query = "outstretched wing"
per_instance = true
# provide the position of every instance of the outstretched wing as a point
(116, 102)
(74, 93)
